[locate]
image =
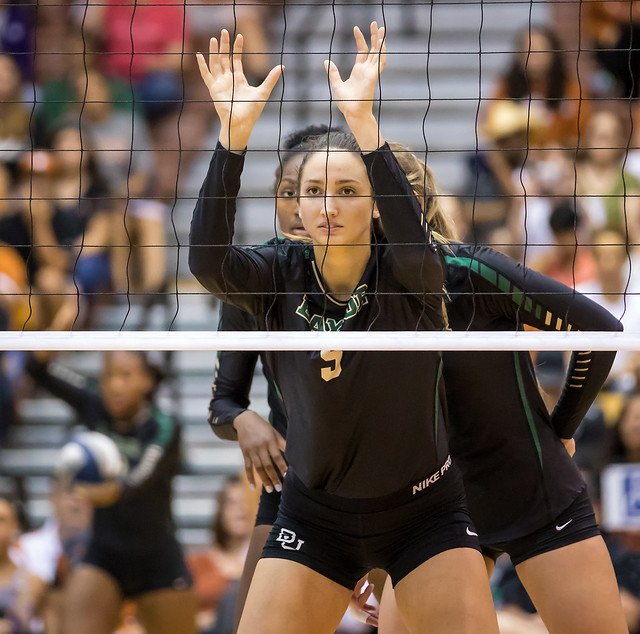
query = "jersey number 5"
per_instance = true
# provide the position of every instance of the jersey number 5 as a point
(335, 369)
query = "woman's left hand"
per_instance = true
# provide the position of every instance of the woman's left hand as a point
(354, 97)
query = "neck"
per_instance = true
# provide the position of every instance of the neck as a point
(5, 560)
(341, 267)
(236, 544)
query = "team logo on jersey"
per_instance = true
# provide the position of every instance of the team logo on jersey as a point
(288, 538)
(323, 324)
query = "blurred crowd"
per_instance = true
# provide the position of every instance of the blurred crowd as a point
(94, 142)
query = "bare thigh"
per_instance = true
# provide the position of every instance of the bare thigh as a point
(448, 593)
(288, 598)
(390, 621)
(92, 602)
(168, 611)
(574, 589)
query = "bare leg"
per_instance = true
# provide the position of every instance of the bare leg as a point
(256, 544)
(168, 612)
(92, 602)
(449, 592)
(574, 589)
(390, 621)
(288, 598)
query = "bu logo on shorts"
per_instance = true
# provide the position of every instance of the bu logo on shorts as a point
(288, 538)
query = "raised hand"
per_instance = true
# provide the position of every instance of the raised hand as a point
(354, 97)
(238, 104)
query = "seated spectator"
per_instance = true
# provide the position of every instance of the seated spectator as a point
(143, 46)
(50, 552)
(613, 29)
(493, 187)
(568, 262)
(611, 193)
(625, 435)
(615, 286)
(120, 144)
(15, 114)
(20, 591)
(217, 571)
(538, 77)
(17, 34)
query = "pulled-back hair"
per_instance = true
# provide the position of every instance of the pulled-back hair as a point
(418, 174)
(297, 142)
(424, 185)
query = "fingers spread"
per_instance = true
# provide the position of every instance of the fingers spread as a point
(204, 71)
(225, 62)
(237, 53)
(361, 45)
(267, 86)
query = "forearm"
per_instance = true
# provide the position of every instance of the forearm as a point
(416, 256)
(212, 225)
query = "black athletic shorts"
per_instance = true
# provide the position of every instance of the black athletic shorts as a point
(163, 569)
(343, 538)
(575, 524)
(268, 508)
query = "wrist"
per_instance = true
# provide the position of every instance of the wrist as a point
(366, 130)
(239, 420)
(235, 139)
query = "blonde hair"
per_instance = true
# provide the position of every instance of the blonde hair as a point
(423, 183)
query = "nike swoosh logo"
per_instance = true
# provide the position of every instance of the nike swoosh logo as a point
(559, 528)
(471, 532)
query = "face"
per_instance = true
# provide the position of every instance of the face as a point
(236, 517)
(125, 384)
(604, 138)
(72, 511)
(630, 426)
(9, 78)
(69, 154)
(609, 252)
(9, 529)
(287, 198)
(336, 203)
(535, 54)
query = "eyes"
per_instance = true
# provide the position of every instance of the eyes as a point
(314, 190)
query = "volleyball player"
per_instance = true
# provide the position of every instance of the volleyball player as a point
(370, 482)
(133, 552)
(524, 492)
(230, 418)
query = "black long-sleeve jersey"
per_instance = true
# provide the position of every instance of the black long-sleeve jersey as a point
(517, 474)
(141, 520)
(360, 424)
(233, 377)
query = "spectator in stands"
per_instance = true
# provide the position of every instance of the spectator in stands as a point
(613, 29)
(14, 112)
(76, 218)
(19, 590)
(568, 262)
(143, 46)
(493, 187)
(538, 77)
(17, 32)
(616, 286)
(216, 572)
(625, 440)
(118, 139)
(52, 551)
(611, 193)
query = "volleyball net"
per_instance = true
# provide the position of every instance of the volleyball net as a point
(525, 112)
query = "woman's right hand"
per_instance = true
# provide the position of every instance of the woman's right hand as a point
(262, 448)
(238, 104)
